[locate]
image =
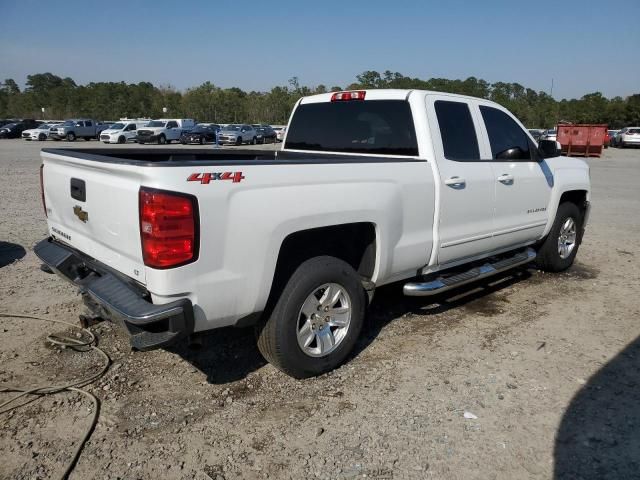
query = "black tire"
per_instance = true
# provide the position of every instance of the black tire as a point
(254, 141)
(201, 140)
(42, 137)
(88, 139)
(548, 258)
(184, 142)
(71, 137)
(277, 335)
(239, 141)
(162, 140)
(122, 140)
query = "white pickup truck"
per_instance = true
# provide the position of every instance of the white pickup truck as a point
(371, 187)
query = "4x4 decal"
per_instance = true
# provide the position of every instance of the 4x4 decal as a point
(207, 177)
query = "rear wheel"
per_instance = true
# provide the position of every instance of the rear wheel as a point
(317, 319)
(558, 251)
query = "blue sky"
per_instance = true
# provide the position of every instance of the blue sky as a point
(585, 46)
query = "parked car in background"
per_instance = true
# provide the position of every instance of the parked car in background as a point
(15, 129)
(536, 133)
(280, 132)
(628, 137)
(266, 134)
(612, 137)
(606, 141)
(12, 130)
(75, 128)
(551, 134)
(237, 134)
(201, 133)
(122, 132)
(164, 130)
(41, 132)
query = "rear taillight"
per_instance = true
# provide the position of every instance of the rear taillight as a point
(346, 96)
(168, 228)
(44, 204)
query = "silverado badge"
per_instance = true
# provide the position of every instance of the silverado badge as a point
(81, 214)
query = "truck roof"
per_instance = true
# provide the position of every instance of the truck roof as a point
(385, 94)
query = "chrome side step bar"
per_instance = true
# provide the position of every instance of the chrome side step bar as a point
(442, 284)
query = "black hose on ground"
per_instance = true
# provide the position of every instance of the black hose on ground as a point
(90, 344)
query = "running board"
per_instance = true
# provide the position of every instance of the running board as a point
(441, 284)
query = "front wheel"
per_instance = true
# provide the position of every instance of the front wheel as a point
(317, 319)
(122, 140)
(162, 140)
(558, 251)
(239, 141)
(71, 137)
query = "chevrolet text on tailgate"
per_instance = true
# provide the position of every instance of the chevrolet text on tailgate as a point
(371, 187)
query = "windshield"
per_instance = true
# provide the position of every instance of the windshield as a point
(9, 125)
(156, 123)
(116, 126)
(231, 128)
(383, 127)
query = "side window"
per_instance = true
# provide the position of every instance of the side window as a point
(131, 127)
(172, 125)
(88, 123)
(508, 141)
(459, 138)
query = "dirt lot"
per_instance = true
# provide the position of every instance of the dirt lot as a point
(549, 364)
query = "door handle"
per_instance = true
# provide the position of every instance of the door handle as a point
(455, 181)
(506, 178)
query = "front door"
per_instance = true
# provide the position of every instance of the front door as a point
(523, 182)
(466, 182)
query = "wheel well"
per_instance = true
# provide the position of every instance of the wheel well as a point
(355, 243)
(577, 197)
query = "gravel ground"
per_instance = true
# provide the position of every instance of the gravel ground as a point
(549, 365)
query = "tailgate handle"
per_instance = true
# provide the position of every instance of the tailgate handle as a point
(78, 189)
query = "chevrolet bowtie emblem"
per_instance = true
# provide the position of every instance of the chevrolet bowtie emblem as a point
(81, 214)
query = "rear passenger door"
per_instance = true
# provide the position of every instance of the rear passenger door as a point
(522, 180)
(466, 182)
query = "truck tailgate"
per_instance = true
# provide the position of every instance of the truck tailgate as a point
(93, 207)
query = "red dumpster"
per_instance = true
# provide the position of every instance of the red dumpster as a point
(582, 139)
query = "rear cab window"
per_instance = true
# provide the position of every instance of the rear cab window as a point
(459, 138)
(374, 127)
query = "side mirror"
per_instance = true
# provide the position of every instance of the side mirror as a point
(549, 148)
(514, 153)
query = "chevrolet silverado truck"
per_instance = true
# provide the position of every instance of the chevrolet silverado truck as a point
(371, 187)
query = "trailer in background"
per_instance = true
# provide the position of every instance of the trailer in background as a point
(582, 139)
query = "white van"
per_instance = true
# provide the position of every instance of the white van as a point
(123, 131)
(164, 130)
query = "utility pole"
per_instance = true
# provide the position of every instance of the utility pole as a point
(551, 93)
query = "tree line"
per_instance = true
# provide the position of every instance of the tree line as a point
(64, 98)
